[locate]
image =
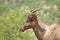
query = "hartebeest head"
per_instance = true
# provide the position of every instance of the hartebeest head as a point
(31, 19)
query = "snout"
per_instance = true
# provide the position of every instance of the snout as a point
(22, 29)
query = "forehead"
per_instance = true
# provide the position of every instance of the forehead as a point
(30, 16)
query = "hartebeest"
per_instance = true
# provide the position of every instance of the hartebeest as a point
(42, 31)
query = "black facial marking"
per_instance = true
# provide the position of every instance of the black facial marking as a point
(30, 18)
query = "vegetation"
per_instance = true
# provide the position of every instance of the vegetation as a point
(12, 17)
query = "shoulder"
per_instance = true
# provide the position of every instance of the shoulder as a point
(54, 26)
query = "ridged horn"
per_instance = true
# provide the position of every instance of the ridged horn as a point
(35, 10)
(32, 10)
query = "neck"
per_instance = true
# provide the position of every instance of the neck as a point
(38, 30)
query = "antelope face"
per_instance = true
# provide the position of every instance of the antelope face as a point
(31, 20)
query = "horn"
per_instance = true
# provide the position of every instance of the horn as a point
(32, 10)
(35, 10)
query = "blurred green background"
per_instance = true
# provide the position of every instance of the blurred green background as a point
(12, 17)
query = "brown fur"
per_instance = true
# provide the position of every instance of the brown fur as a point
(42, 31)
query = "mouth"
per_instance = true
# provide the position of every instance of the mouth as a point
(22, 29)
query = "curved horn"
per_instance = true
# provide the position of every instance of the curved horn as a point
(32, 10)
(35, 10)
